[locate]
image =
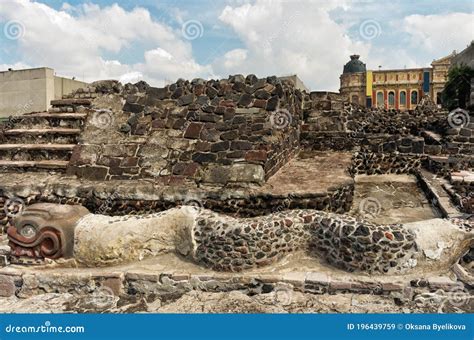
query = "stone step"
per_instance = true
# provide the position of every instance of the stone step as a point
(49, 147)
(44, 164)
(71, 102)
(59, 115)
(54, 131)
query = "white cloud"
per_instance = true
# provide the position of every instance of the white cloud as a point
(440, 34)
(235, 58)
(286, 37)
(162, 67)
(131, 77)
(75, 39)
(277, 37)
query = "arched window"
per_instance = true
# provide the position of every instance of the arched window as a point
(414, 97)
(391, 98)
(403, 98)
(380, 99)
(355, 99)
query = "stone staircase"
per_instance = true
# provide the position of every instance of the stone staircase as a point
(43, 140)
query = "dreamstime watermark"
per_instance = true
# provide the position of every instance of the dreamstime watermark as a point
(455, 297)
(106, 206)
(458, 118)
(282, 296)
(103, 297)
(14, 30)
(192, 29)
(102, 119)
(370, 29)
(281, 119)
(46, 328)
(14, 207)
(370, 207)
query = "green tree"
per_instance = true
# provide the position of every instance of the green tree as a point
(457, 90)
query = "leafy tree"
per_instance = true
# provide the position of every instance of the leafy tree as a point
(457, 90)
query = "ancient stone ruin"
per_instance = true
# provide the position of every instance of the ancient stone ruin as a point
(242, 184)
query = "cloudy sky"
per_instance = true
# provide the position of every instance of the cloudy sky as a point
(163, 40)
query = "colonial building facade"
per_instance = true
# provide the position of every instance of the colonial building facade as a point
(398, 89)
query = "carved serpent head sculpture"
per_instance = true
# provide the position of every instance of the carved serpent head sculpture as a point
(44, 230)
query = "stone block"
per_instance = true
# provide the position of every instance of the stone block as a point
(157, 93)
(92, 173)
(4, 261)
(240, 145)
(114, 284)
(418, 145)
(129, 162)
(193, 130)
(134, 108)
(249, 173)
(256, 155)
(119, 150)
(204, 157)
(86, 154)
(392, 287)
(340, 285)
(230, 135)
(250, 110)
(7, 286)
(185, 169)
(272, 103)
(317, 278)
(220, 146)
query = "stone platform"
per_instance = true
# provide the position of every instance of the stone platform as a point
(313, 181)
(390, 199)
(160, 280)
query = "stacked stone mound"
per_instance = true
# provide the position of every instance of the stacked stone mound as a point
(412, 122)
(241, 129)
(228, 244)
(96, 89)
(343, 126)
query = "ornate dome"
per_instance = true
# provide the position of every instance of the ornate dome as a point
(354, 65)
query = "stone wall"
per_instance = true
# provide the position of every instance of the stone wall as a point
(226, 244)
(460, 140)
(371, 163)
(236, 130)
(332, 125)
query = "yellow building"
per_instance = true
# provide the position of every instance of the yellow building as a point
(398, 89)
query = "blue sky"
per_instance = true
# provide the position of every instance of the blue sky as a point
(132, 40)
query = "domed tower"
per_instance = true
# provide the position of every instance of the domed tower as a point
(353, 81)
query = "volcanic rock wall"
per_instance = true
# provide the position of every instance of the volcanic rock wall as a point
(236, 130)
(228, 244)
